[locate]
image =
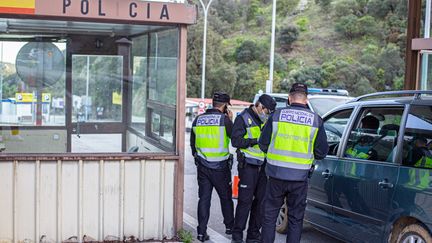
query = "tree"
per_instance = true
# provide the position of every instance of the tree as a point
(311, 76)
(246, 86)
(392, 64)
(221, 77)
(194, 60)
(347, 26)
(247, 52)
(287, 36)
(285, 7)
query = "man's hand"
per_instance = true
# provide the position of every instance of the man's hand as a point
(196, 159)
(230, 114)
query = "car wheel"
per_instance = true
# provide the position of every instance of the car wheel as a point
(414, 233)
(282, 220)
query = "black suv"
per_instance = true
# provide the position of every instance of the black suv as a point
(375, 185)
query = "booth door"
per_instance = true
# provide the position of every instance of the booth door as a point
(97, 110)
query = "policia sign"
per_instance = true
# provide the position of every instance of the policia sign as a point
(130, 10)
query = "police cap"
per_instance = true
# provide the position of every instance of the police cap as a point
(268, 102)
(221, 97)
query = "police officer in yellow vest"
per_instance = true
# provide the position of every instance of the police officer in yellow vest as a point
(246, 131)
(421, 158)
(292, 138)
(209, 142)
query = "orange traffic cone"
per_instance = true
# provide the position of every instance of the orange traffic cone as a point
(235, 187)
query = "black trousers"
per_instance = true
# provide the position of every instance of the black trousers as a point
(295, 193)
(251, 190)
(221, 181)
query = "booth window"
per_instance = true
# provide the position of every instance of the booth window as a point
(87, 88)
(155, 82)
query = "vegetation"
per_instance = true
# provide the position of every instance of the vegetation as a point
(358, 45)
(185, 236)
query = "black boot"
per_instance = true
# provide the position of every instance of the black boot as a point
(203, 237)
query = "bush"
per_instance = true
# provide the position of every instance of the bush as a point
(392, 64)
(302, 23)
(280, 65)
(287, 36)
(185, 236)
(344, 8)
(324, 4)
(347, 26)
(367, 26)
(254, 10)
(247, 52)
(308, 75)
(286, 7)
(343, 74)
(352, 26)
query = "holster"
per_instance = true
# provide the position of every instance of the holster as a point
(241, 160)
(230, 161)
(311, 170)
(196, 159)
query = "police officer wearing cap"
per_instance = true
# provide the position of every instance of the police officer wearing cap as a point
(246, 131)
(292, 138)
(209, 142)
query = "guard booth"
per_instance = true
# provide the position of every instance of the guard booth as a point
(92, 119)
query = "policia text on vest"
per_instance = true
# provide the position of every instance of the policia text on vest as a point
(292, 138)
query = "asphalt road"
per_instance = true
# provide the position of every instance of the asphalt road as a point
(216, 227)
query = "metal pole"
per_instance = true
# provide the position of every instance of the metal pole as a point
(269, 84)
(205, 8)
(87, 89)
(425, 56)
(2, 67)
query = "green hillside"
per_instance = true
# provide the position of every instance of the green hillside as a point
(358, 45)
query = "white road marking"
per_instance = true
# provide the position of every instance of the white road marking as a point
(214, 236)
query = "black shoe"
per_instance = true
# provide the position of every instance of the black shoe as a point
(237, 241)
(203, 238)
(228, 231)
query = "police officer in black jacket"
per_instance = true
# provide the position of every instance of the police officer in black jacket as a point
(292, 138)
(246, 131)
(209, 142)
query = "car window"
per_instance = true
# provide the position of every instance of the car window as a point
(418, 137)
(334, 126)
(325, 104)
(281, 102)
(374, 134)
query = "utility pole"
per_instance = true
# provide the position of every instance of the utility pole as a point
(205, 9)
(269, 83)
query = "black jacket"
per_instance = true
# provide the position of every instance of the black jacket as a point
(239, 130)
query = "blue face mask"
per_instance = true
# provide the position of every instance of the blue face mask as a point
(263, 117)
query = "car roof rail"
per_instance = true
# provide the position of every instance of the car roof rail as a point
(415, 93)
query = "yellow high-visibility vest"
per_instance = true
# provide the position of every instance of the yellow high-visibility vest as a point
(293, 138)
(253, 154)
(211, 140)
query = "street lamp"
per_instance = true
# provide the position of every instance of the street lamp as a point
(205, 8)
(269, 83)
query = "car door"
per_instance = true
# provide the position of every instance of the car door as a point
(365, 175)
(320, 195)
